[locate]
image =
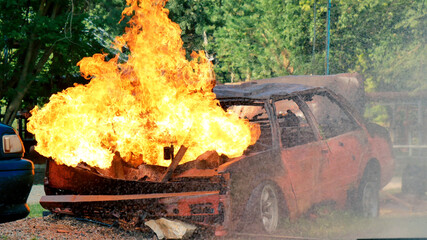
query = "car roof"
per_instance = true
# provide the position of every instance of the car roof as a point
(256, 90)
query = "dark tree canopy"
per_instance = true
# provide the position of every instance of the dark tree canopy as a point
(42, 42)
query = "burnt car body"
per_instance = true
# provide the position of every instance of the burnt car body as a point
(16, 176)
(314, 147)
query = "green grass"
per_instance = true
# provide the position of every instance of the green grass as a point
(7, 238)
(326, 223)
(36, 210)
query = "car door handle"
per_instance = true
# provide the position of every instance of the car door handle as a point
(341, 144)
(325, 151)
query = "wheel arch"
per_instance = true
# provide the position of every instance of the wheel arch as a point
(372, 171)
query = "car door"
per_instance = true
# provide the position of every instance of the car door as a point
(344, 145)
(300, 151)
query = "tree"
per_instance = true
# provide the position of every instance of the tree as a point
(42, 42)
(197, 20)
(257, 39)
(384, 40)
(250, 40)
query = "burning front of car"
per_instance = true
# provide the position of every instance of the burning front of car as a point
(108, 137)
(153, 137)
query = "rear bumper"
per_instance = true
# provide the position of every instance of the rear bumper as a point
(12, 212)
(16, 180)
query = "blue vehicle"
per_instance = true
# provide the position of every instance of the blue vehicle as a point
(16, 176)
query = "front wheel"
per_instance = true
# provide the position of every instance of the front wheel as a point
(263, 207)
(269, 208)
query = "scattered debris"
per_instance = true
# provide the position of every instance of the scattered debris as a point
(171, 229)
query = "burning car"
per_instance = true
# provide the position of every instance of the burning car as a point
(313, 147)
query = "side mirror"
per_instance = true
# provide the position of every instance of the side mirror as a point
(168, 153)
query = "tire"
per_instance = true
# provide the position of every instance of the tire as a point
(370, 199)
(368, 202)
(263, 208)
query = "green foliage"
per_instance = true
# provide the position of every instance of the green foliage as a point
(261, 39)
(382, 39)
(197, 20)
(385, 40)
(36, 210)
(378, 114)
(43, 41)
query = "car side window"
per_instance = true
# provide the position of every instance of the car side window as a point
(332, 119)
(293, 126)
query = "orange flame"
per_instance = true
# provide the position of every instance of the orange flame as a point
(134, 109)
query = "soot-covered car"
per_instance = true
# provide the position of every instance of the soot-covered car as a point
(313, 148)
(16, 176)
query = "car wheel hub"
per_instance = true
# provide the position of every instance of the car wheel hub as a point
(269, 209)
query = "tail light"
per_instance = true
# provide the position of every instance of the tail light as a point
(12, 144)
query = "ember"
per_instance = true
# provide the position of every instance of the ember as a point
(131, 110)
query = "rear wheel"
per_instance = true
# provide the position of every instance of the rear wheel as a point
(370, 199)
(368, 202)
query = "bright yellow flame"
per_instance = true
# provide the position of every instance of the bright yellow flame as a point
(134, 109)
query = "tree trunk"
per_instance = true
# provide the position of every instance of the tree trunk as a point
(23, 85)
(25, 81)
(30, 66)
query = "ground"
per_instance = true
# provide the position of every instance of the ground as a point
(53, 227)
(401, 216)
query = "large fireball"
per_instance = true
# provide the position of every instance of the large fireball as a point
(132, 110)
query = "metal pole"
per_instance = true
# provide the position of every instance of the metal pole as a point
(420, 122)
(328, 37)
(314, 39)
